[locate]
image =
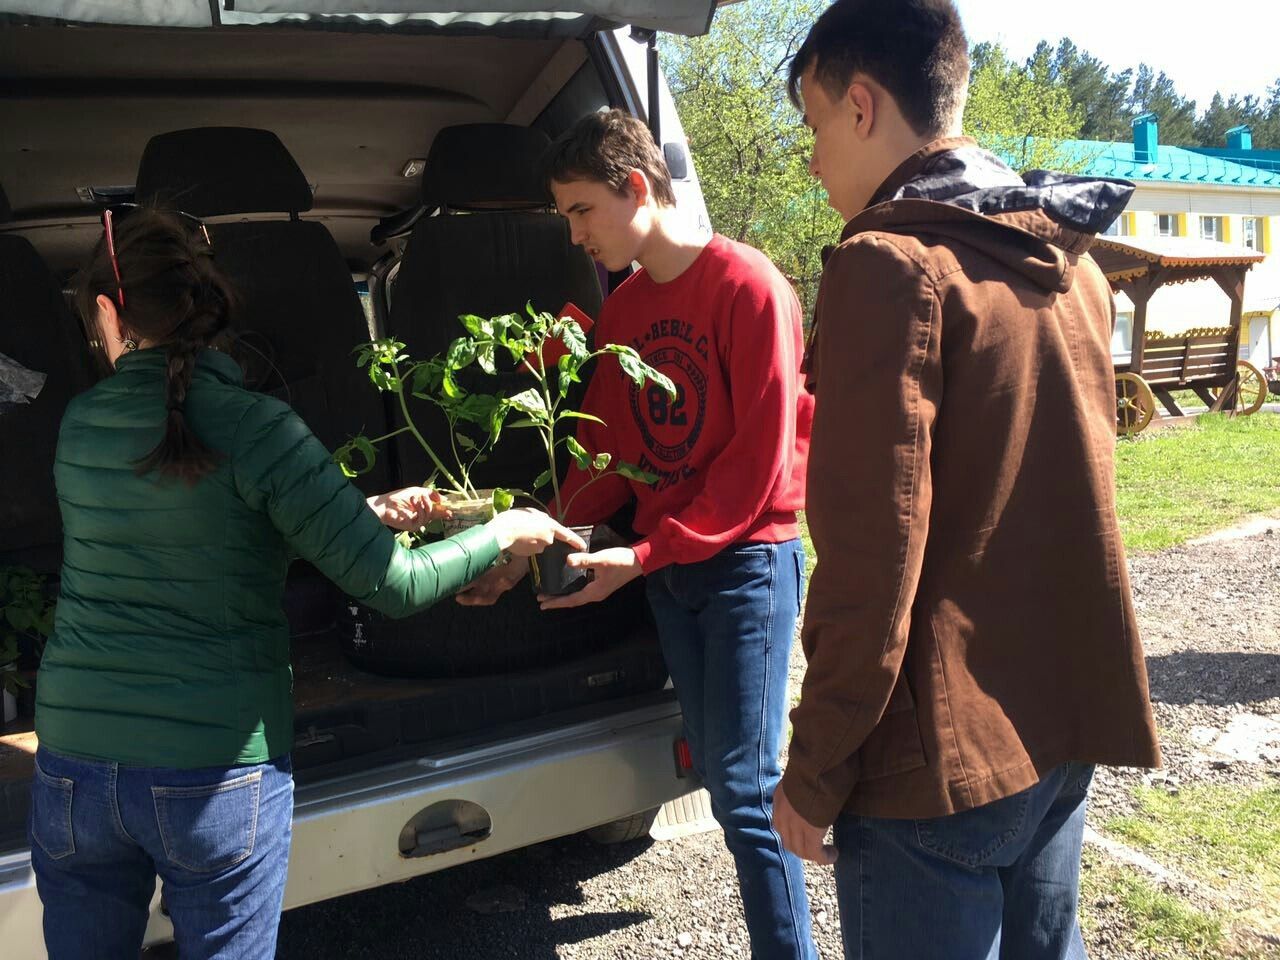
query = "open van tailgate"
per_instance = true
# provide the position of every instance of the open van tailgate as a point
(349, 832)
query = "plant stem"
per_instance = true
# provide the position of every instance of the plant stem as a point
(549, 430)
(404, 409)
(393, 433)
(466, 473)
(599, 476)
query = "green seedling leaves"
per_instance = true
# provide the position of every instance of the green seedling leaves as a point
(632, 472)
(579, 453)
(356, 457)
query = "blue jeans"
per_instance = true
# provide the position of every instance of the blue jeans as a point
(999, 882)
(217, 837)
(726, 626)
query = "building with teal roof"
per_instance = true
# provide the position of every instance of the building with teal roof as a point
(1228, 194)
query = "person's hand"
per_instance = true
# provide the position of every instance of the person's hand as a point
(525, 532)
(485, 590)
(798, 835)
(609, 570)
(410, 508)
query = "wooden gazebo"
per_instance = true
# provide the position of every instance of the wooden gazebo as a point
(1204, 360)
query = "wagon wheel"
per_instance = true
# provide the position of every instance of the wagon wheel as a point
(1135, 404)
(1251, 389)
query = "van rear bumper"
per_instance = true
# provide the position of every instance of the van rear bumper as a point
(349, 832)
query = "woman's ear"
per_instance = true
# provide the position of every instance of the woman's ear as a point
(108, 319)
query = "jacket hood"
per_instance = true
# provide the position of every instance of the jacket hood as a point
(1038, 223)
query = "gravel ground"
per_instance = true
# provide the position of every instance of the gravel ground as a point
(1210, 615)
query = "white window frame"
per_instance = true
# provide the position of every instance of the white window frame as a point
(1252, 225)
(1119, 227)
(1173, 224)
(1122, 336)
(1219, 231)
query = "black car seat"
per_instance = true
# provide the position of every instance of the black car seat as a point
(492, 246)
(39, 333)
(299, 316)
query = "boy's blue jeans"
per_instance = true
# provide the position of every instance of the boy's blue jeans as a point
(998, 882)
(726, 626)
(217, 837)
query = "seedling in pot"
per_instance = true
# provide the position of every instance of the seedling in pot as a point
(392, 370)
(26, 621)
(543, 407)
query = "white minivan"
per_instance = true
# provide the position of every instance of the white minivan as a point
(364, 168)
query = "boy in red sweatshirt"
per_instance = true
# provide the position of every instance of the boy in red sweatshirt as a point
(719, 547)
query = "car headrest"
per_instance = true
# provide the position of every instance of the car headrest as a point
(211, 171)
(479, 165)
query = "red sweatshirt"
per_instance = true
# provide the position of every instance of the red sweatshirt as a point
(731, 449)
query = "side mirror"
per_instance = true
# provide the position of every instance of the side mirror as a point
(677, 160)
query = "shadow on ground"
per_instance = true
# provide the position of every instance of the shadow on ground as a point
(1227, 677)
(430, 917)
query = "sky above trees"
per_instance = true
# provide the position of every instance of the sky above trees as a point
(1225, 46)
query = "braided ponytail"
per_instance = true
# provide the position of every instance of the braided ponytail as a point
(178, 300)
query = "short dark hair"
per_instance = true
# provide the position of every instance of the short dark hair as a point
(915, 49)
(606, 147)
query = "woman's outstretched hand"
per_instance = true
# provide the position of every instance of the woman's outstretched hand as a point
(410, 508)
(524, 532)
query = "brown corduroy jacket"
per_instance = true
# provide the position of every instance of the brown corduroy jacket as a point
(969, 624)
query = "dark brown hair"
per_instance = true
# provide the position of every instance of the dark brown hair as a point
(175, 299)
(915, 49)
(606, 147)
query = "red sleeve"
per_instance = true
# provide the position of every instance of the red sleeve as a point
(755, 467)
(602, 499)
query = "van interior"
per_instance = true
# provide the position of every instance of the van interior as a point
(354, 182)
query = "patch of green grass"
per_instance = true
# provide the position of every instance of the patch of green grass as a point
(807, 541)
(1223, 836)
(1154, 922)
(1177, 484)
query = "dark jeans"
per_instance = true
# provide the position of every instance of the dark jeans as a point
(218, 838)
(726, 626)
(999, 882)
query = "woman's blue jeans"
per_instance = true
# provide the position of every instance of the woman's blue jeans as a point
(726, 626)
(218, 838)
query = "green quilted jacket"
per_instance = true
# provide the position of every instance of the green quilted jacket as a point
(170, 646)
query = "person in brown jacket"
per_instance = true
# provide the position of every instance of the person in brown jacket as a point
(970, 633)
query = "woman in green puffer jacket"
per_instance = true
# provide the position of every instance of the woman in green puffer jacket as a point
(163, 708)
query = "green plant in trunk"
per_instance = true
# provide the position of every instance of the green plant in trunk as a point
(26, 614)
(392, 370)
(543, 406)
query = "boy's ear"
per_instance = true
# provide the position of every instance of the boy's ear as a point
(639, 185)
(862, 101)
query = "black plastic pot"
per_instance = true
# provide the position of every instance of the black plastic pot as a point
(551, 576)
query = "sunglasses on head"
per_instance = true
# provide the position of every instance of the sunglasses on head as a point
(120, 210)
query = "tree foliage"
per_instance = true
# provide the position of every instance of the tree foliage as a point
(752, 152)
(750, 148)
(1020, 112)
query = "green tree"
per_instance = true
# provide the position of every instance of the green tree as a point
(1157, 93)
(749, 146)
(1022, 112)
(1222, 115)
(1100, 96)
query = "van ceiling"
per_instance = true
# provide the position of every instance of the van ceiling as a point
(79, 104)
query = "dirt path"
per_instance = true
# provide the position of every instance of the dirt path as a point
(1210, 615)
